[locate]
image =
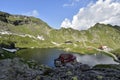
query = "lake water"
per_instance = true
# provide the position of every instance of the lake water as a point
(47, 55)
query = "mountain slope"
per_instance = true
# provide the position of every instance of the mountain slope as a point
(18, 27)
(33, 32)
(22, 24)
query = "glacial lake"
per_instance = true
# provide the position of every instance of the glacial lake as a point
(47, 55)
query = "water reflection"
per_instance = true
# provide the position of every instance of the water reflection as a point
(47, 55)
(95, 59)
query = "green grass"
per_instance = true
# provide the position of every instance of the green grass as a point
(4, 54)
(116, 52)
(107, 66)
(98, 35)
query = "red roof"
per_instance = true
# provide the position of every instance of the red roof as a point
(67, 58)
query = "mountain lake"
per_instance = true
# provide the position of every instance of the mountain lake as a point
(46, 56)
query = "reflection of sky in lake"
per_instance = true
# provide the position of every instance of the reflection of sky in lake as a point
(47, 55)
(95, 59)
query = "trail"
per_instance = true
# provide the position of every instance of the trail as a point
(107, 53)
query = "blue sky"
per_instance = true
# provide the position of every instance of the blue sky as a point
(51, 11)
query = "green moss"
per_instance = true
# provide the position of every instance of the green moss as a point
(100, 77)
(74, 78)
(69, 73)
(116, 51)
(4, 54)
(111, 66)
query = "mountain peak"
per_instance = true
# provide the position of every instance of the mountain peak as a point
(31, 30)
(17, 20)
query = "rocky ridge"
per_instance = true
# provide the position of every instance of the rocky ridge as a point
(18, 69)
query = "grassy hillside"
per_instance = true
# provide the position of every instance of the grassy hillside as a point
(32, 32)
(24, 31)
(98, 35)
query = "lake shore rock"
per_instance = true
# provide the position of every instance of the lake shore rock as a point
(17, 69)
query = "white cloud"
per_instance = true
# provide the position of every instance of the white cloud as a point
(34, 13)
(67, 23)
(67, 5)
(72, 3)
(103, 11)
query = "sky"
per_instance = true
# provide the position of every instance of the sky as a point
(76, 14)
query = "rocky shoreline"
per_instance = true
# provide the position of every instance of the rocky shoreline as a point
(18, 69)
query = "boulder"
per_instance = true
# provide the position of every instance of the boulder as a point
(15, 69)
(64, 58)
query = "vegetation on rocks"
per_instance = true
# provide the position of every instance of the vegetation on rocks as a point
(12, 69)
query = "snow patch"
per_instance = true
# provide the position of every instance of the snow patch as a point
(57, 44)
(22, 35)
(5, 32)
(75, 45)
(40, 37)
(32, 47)
(29, 36)
(67, 49)
(10, 50)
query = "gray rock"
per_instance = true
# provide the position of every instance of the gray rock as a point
(15, 69)
(12, 69)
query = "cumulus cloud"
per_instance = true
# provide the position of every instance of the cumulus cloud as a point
(34, 13)
(103, 11)
(72, 3)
